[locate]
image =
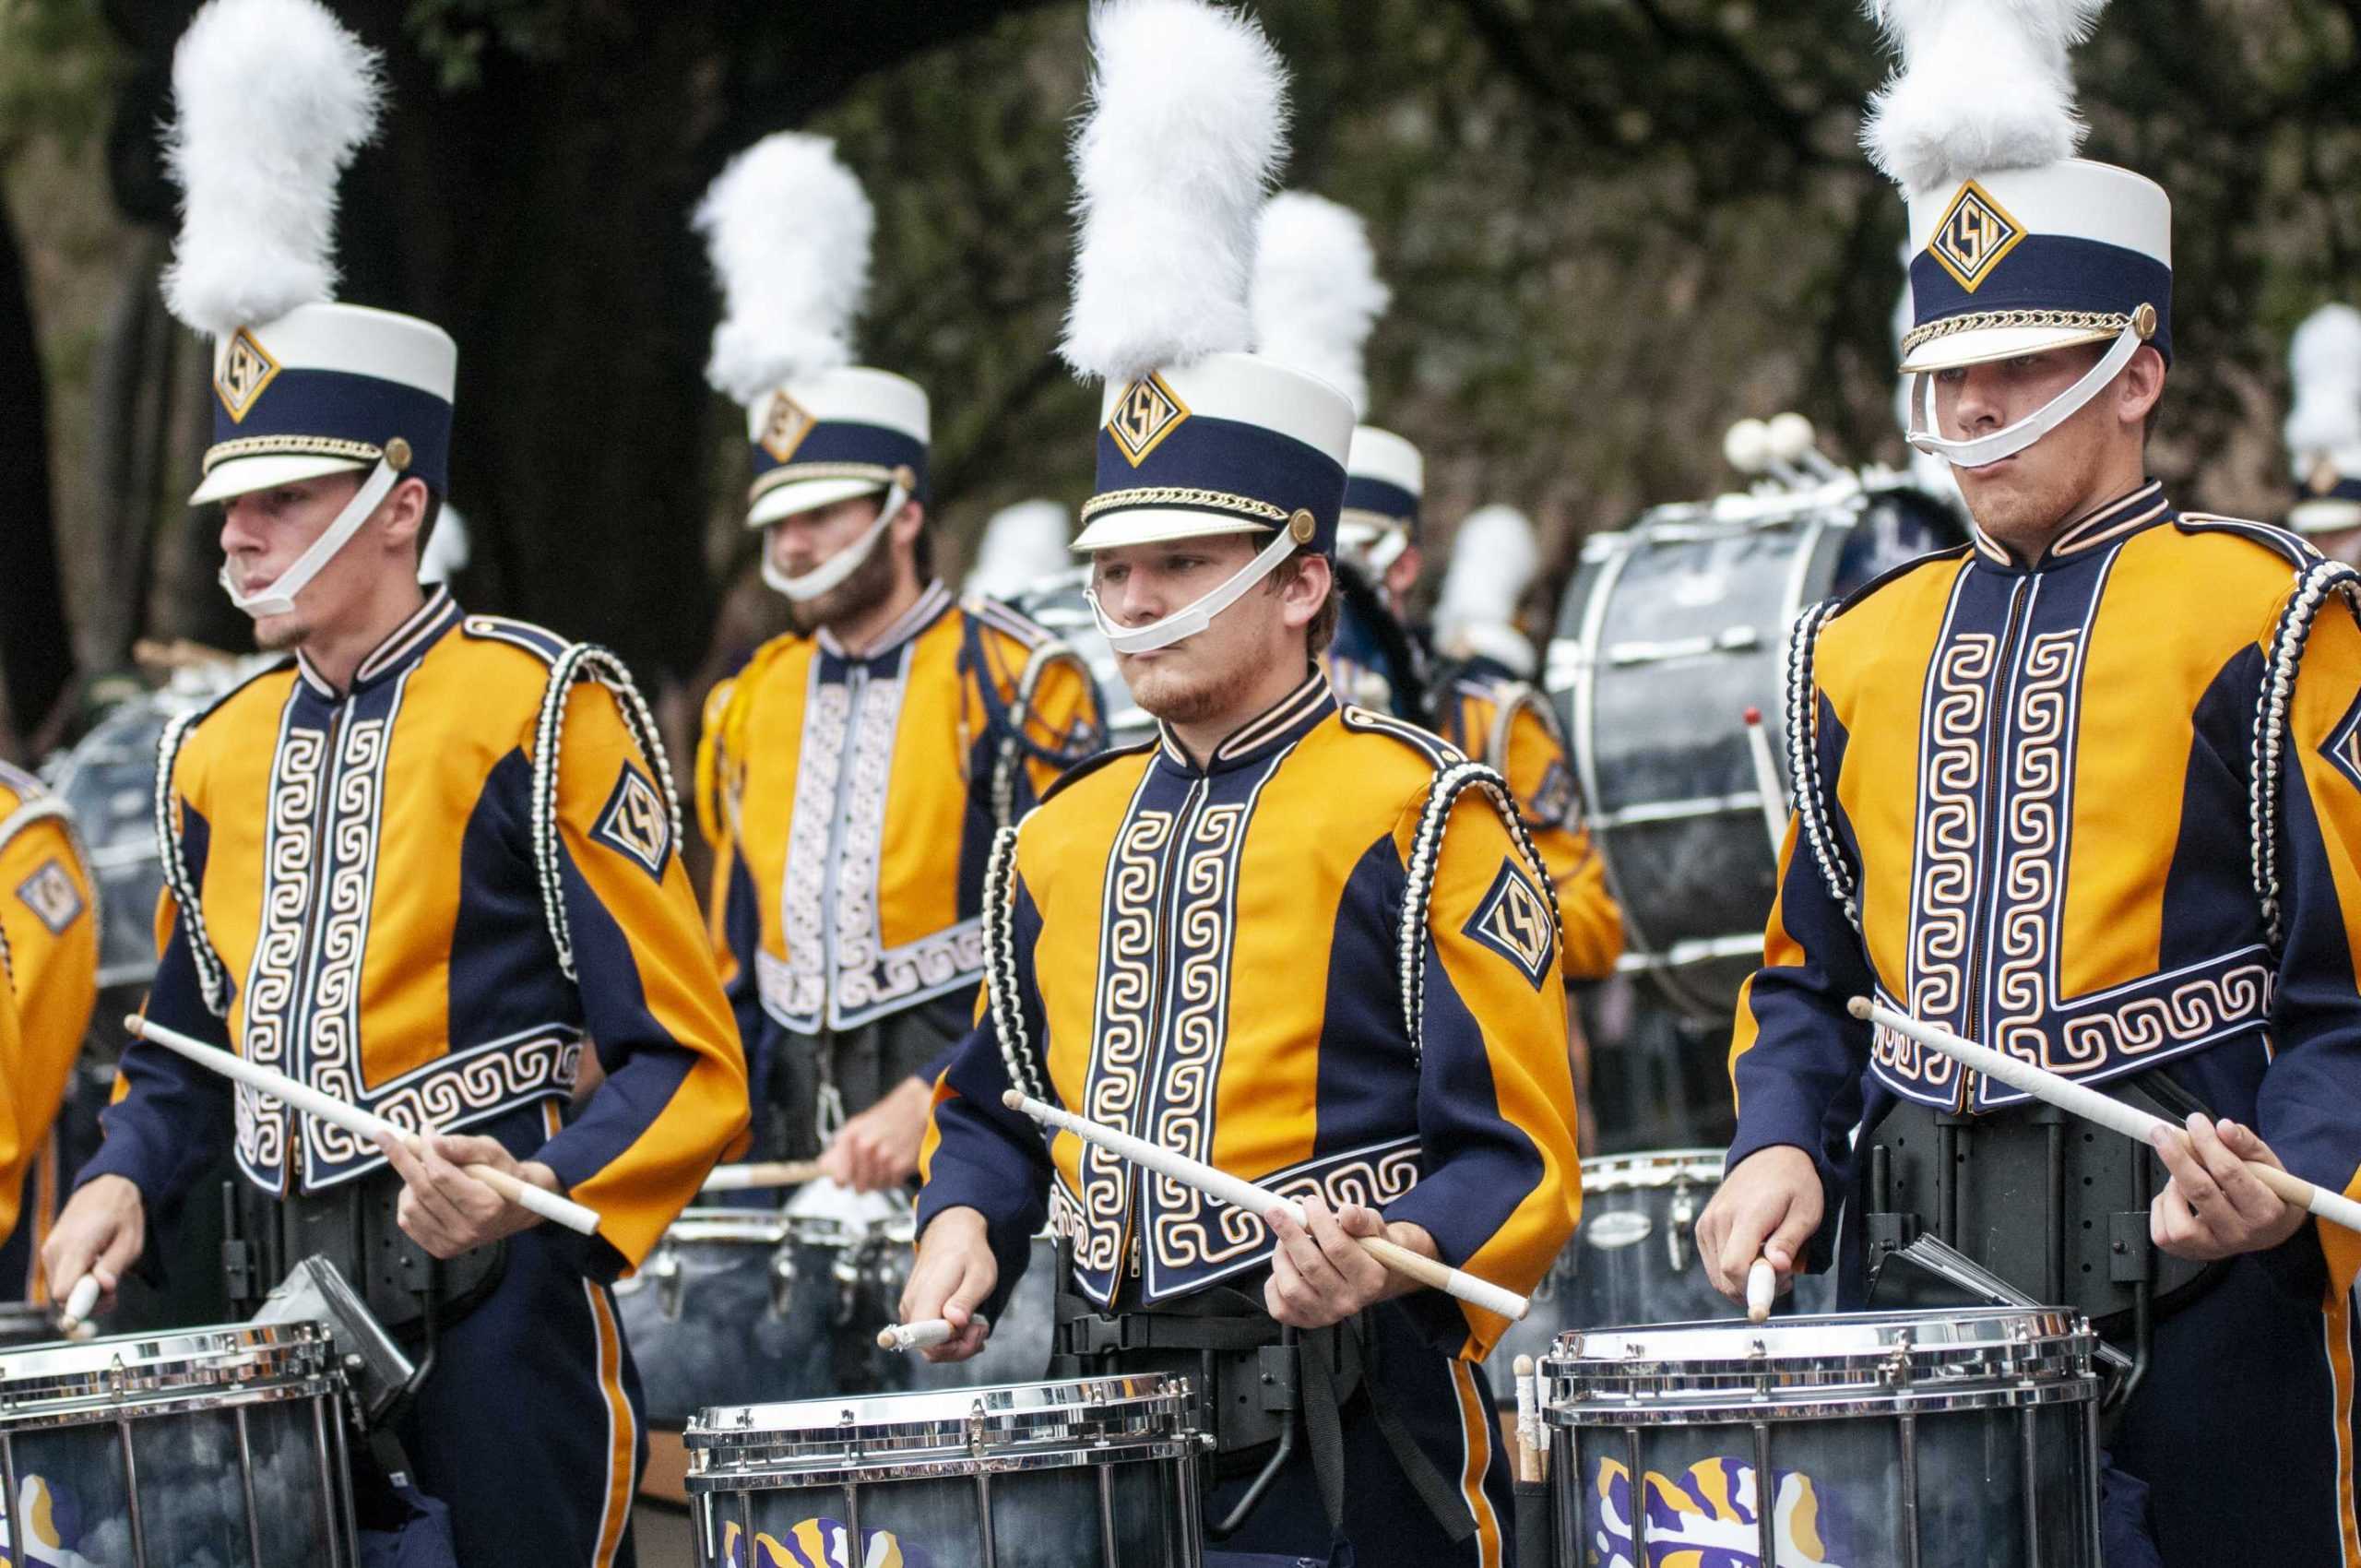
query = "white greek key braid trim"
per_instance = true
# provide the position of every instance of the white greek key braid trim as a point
(2266, 773)
(1000, 966)
(212, 977)
(1803, 760)
(1426, 855)
(581, 660)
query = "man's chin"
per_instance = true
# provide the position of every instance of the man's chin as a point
(278, 634)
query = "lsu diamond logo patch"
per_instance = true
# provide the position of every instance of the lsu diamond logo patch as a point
(1972, 237)
(2342, 747)
(1514, 921)
(245, 370)
(785, 426)
(636, 823)
(51, 894)
(1146, 413)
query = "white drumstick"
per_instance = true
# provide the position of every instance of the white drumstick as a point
(1528, 1422)
(2092, 1106)
(352, 1119)
(1762, 1290)
(78, 1303)
(762, 1174)
(924, 1335)
(1766, 781)
(1259, 1201)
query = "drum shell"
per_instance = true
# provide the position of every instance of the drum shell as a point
(220, 1444)
(1634, 1258)
(1085, 1473)
(1932, 1442)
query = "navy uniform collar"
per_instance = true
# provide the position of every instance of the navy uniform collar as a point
(2144, 507)
(929, 608)
(402, 649)
(1276, 728)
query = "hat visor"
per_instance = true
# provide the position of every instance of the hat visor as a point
(1985, 345)
(1159, 525)
(244, 476)
(806, 495)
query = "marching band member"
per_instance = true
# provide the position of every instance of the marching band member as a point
(1316, 298)
(2085, 790)
(422, 864)
(49, 927)
(2324, 431)
(1311, 944)
(851, 775)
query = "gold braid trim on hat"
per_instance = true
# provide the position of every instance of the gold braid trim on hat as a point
(795, 473)
(1205, 500)
(2109, 322)
(289, 446)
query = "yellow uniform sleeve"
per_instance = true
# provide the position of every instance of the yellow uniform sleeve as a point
(1541, 776)
(48, 913)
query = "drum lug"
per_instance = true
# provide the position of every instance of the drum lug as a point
(782, 1279)
(1677, 1233)
(848, 1275)
(664, 1269)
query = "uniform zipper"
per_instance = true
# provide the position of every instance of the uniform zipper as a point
(2003, 677)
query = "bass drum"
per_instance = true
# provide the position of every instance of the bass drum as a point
(1672, 629)
(1057, 604)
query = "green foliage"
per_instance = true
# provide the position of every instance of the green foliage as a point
(58, 67)
(455, 35)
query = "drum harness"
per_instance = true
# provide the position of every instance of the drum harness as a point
(2105, 1264)
(1255, 1377)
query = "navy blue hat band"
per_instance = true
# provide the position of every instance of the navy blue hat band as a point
(1382, 500)
(2044, 280)
(1204, 463)
(335, 413)
(843, 450)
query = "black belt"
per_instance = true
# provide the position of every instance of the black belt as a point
(355, 1227)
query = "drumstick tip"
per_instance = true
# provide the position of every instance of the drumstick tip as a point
(1859, 1007)
(1013, 1098)
(1753, 717)
(1522, 1366)
(133, 1023)
(1762, 1290)
(885, 1340)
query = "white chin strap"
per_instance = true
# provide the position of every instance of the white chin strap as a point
(1191, 620)
(844, 562)
(2015, 438)
(278, 598)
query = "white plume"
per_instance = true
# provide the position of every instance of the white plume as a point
(1493, 559)
(1317, 295)
(2324, 361)
(1022, 544)
(1983, 86)
(788, 228)
(1183, 136)
(271, 99)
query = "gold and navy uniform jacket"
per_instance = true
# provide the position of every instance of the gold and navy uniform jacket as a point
(1279, 962)
(49, 935)
(1489, 715)
(851, 802)
(424, 895)
(2101, 811)
(11, 1056)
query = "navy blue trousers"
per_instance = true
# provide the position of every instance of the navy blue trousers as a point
(529, 1428)
(1447, 1406)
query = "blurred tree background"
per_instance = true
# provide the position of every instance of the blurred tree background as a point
(1612, 227)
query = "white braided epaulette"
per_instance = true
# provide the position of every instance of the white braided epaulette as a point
(581, 660)
(1000, 967)
(1426, 854)
(1009, 755)
(212, 977)
(2266, 772)
(1802, 712)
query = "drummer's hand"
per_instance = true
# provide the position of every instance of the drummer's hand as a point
(1320, 1274)
(2213, 1207)
(447, 1211)
(1769, 1206)
(954, 1273)
(101, 1232)
(879, 1149)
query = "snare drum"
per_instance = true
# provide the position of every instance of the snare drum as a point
(212, 1445)
(1634, 1258)
(1089, 1473)
(1890, 1438)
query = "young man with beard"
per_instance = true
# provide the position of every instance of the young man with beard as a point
(2085, 790)
(852, 773)
(1309, 945)
(422, 865)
